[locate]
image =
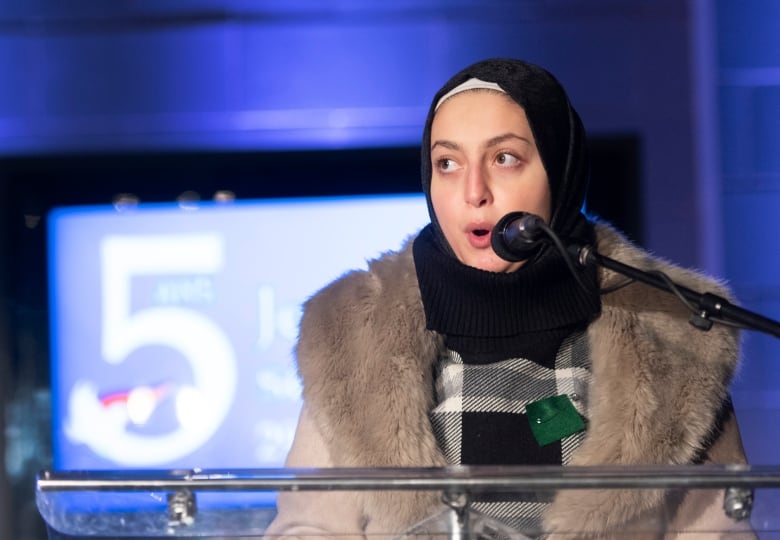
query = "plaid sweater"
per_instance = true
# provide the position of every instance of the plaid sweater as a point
(480, 418)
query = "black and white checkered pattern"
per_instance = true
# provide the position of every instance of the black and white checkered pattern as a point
(480, 418)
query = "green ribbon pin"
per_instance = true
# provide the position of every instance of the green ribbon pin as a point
(553, 418)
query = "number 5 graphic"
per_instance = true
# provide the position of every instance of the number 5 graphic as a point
(202, 407)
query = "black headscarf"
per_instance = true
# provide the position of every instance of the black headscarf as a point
(557, 130)
(496, 309)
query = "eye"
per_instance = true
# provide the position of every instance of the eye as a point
(506, 159)
(446, 164)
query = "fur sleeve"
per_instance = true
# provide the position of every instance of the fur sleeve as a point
(658, 384)
(366, 360)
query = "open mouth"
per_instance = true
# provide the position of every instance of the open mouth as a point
(479, 234)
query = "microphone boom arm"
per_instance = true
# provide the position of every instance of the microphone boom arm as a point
(708, 304)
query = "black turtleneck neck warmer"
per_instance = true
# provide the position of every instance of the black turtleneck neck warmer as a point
(498, 314)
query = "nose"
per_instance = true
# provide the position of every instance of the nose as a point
(477, 189)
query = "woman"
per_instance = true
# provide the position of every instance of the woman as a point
(440, 353)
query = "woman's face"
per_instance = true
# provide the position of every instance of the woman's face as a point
(485, 164)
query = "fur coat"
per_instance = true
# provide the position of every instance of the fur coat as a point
(366, 362)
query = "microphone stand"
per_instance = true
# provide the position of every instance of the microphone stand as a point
(708, 304)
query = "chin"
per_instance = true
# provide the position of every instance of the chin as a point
(492, 265)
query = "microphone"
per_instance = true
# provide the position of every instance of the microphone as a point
(517, 236)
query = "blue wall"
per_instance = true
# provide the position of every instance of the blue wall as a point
(209, 75)
(749, 110)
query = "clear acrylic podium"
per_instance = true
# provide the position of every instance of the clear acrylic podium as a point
(216, 504)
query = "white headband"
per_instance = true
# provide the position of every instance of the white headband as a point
(470, 84)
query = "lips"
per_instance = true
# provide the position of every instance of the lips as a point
(479, 235)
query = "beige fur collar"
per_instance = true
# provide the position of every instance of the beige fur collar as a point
(366, 362)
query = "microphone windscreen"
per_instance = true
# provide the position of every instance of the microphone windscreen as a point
(515, 237)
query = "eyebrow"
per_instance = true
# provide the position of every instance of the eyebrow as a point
(446, 144)
(506, 136)
(493, 141)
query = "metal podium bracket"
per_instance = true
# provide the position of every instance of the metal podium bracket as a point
(181, 508)
(738, 503)
(458, 516)
(461, 522)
